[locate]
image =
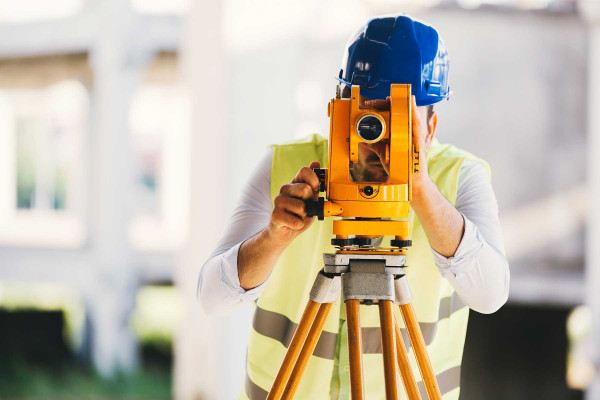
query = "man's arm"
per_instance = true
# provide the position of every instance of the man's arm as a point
(256, 235)
(442, 223)
(259, 254)
(475, 267)
(478, 270)
(219, 290)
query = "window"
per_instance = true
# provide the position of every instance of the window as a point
(41, 132)
(159, 124)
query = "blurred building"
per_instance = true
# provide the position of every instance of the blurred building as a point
(95, 175)
(128, 128)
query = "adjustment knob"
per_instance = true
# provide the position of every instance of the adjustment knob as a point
(362, 241)
(352, 242)
(401, 243)
(315, 208)
(368, 190)
(342, 242)
(321, 175)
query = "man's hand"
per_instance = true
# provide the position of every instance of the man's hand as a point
(259, 254)
(421, 141)
(288, 218)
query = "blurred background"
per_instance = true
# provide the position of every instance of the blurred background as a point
(128, 127)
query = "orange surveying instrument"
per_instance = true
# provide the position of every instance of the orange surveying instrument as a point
(360, 270)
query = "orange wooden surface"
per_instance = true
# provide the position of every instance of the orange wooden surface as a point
(355, 350)
(293, 350)
(418, 344)
(307, 350)
(410, 384)
(386, 317)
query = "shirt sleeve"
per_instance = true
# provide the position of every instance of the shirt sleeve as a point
(478, 271)
(219, 290)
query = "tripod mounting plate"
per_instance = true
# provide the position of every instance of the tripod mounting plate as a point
(336, 263)
(371, 277)
(391, 260)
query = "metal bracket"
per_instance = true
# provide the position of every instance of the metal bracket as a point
(326, 288)
(368, 280)
(402, 290)
(370, 277)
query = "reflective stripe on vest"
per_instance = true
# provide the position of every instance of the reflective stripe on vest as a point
(442, 316)
(279, 327)
(448, 381)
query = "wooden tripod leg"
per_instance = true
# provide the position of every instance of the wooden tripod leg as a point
(293, 350)
(410, 384)
(307, 350)
(418, 344)
(386, 316)
(355, 349)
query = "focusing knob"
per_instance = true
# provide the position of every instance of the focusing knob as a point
(315, 208)
(321, 175)
(401, 243)
(368, 190)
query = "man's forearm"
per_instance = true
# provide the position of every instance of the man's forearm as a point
(443, 224)
(257, 258)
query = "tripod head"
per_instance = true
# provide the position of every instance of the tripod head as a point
(366, 207)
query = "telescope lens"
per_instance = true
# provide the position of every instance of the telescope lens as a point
(370, 128)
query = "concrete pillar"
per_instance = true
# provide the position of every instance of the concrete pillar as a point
(590, 9)
(199, 367)
(114, 281)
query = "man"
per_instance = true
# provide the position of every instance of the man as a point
(271, 250)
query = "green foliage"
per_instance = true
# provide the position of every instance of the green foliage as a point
(21, 380)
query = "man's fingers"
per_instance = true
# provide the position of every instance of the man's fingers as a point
(379, 104)
(307, 175)
(291, 204)
(298, 190)
(416, 116)
(418, 140)
(281, 218)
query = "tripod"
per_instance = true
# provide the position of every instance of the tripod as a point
(368, 278)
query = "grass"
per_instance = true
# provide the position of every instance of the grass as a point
(20, 380)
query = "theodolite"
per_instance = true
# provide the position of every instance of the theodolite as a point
(361, 269)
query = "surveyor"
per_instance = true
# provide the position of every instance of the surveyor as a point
(271, 251)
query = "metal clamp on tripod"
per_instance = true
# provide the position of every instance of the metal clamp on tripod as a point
(361, 272)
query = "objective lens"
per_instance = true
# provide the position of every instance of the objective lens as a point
(370, 128)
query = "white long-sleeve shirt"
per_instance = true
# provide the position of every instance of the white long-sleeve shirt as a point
(478, 271)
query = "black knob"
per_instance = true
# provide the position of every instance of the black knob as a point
(401, 243)
(342, 242)
(315, 208)
(351, 242)
(321, 175)
(362, 241)
(368, 190)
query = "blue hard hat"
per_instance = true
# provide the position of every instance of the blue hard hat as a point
(397, 49)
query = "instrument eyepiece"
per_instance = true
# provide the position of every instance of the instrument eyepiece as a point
(370, 128)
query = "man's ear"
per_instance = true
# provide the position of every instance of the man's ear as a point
(431, 127)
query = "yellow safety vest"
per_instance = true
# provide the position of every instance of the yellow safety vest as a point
(442, 316)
